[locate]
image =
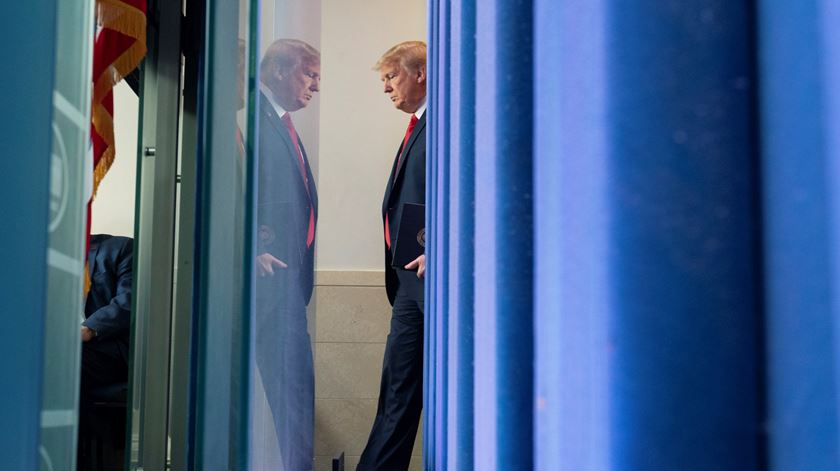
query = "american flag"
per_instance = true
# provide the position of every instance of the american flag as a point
(118, 47)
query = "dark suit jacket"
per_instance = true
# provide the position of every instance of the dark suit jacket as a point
(407, 186)
(283, 209)
(108, 305)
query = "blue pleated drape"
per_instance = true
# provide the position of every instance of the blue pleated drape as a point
(450, 358)
(635, 222)
(800, 135)
(570, 211)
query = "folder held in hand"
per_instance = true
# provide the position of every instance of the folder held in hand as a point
(411, 239)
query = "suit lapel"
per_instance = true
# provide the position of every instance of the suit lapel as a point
(313, 193)
(279, 128)
(418, 128)
(390, 186)
(94, 252)
(406, 152)
(283, 133)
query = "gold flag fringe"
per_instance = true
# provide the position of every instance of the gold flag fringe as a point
(122, 66)
(104, 125)
(128, 20)
(86, 284)
(122, 17)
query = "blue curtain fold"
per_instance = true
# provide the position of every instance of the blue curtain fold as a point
(636, 208)
(436, 332)
(503, 335)
(800, 67)
(683, 237)
(449, 418)
(570, 215)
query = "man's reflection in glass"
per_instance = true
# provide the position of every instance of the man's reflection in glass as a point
(240, 93)
(287, 211)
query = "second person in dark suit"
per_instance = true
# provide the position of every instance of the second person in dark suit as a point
(106, 350)
(105, 331)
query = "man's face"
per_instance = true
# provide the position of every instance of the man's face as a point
(296, 88)
(406, 90)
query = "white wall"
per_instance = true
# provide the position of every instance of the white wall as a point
(298, 19)
(113, 208)
(360, 128)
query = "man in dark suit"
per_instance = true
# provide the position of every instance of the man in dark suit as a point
(402, 69)
(105, 346)
(105, 330)
(287, 212)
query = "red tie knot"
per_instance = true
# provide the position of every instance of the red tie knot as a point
(287, 120)
(409, 130)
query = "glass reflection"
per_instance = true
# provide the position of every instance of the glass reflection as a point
(65, 253)
(287, 212)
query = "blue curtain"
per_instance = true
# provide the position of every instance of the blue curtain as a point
(449, 366)
(800, 112)
(635, 225)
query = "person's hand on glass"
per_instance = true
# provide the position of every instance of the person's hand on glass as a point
(267, 263)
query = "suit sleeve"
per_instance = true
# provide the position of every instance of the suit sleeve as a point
(115, 317)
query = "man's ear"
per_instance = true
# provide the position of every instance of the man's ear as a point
(278, 74)
(421, 74)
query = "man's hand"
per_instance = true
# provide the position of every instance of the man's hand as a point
(420, 264)
(87, 334)
(266, 263)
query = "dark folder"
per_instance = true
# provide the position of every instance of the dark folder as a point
(411, 239)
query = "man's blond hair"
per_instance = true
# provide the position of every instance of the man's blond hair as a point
(410, 55)
(286, 55)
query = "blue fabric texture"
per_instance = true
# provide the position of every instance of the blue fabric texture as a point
(636, 210)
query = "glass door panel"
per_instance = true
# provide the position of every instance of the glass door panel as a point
(288, 124)
(258, 212)
(262, 132)
(221, 285)
(160, 92)
(69, 192)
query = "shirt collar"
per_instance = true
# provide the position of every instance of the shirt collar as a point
(421, 110)
(270, 96)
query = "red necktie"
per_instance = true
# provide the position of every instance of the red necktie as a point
(408, 131)
(290, 127)
(240, 142)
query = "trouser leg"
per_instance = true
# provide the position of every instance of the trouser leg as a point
(284, 358)
(401, 392)
(102, 365)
